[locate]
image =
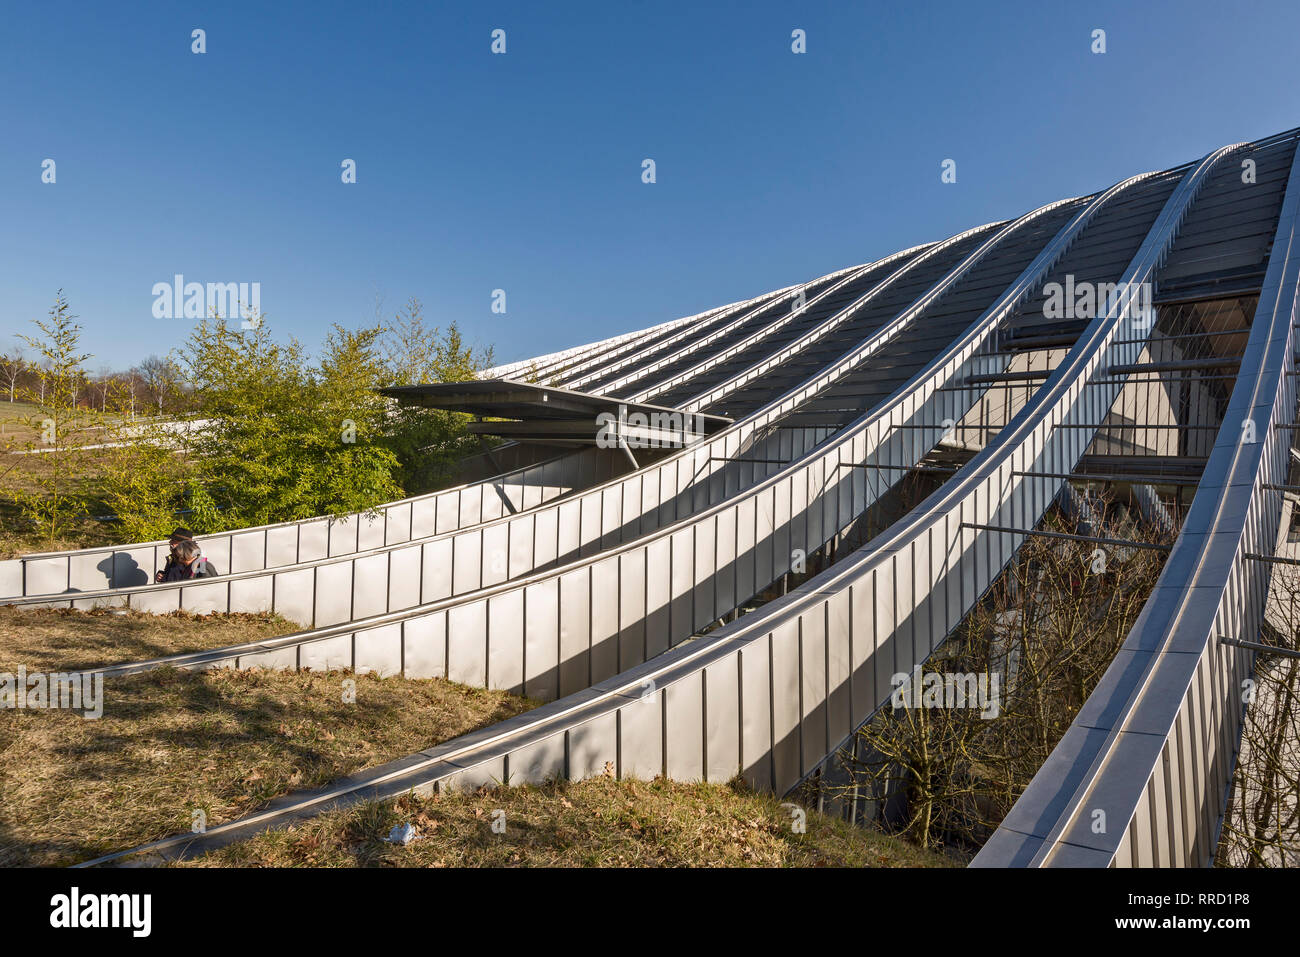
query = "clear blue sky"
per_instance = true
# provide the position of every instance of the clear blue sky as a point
(523, 171)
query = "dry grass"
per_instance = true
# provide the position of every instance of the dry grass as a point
(48, 639)
(19, 423)
(226, 742)
(594, 823)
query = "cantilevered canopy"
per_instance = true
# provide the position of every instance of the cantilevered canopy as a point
(551, 416)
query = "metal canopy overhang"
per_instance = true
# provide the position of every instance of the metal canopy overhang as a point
(552, 416)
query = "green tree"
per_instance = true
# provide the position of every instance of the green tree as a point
(53, 496)
(147, 482)
(275, 439)
(428, 442)
(345, 441)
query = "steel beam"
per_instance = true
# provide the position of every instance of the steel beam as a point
(1151, 753)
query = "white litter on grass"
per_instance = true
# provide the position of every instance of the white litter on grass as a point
(403, 834)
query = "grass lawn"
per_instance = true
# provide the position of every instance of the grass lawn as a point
(228, 742)
(17, 423)
(224, 742)
(51, 639)
(595, 823)
(171, 743)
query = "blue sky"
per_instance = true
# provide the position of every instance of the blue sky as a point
(522, 171)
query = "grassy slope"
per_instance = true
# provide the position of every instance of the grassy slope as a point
(60, 639)
(222, 741)
(228, 742)
(594, 823)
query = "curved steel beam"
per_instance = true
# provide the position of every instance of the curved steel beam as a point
(765, 695)
(609, 623)
(757, 336)
(637, 361)
(552, 359)
(578, 375)
(1141, 777)
(383, 579)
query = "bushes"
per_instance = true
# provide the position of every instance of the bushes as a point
(274, 438)
(268, 434)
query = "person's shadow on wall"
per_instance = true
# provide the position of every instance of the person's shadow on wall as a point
(122, 571)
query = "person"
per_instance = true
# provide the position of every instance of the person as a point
(186, 560)
(189, 563)
(181, 534)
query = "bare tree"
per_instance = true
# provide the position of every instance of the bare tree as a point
(131, 385)
(944, 771)
(101, 385)
(12, 366)
(159, 378)
(1261, 827)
